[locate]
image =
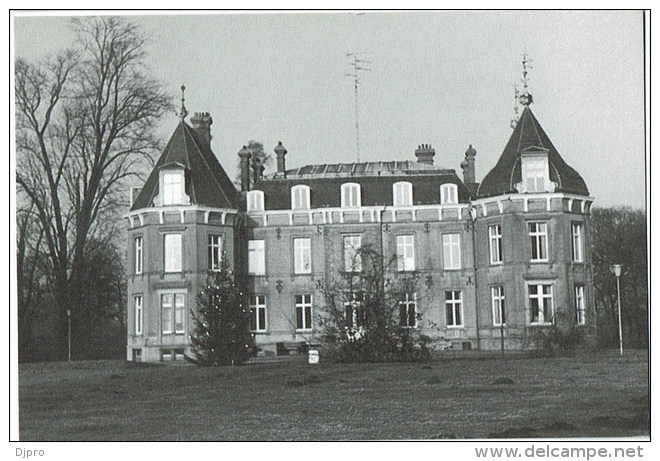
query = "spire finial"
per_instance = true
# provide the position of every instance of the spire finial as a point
(525, 97)
(183, 113)
(516, 115)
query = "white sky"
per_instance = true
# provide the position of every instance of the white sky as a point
(444, 78)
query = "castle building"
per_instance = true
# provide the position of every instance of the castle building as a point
(499, 258)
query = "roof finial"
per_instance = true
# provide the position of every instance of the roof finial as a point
(525, 97)
(516, 115)
(183, 113)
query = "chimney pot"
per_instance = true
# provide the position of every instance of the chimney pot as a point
(202, 122)
(425, 154)
(280, 152)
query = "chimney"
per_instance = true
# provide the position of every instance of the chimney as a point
(280, 151)
(425, 154)
(202, 122)
(244, 155)
(468, 166)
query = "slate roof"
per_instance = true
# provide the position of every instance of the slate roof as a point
(206, 181)
(528, 134)
(376, 187)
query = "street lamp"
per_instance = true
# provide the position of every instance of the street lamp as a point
(68, 315)
(616, 270)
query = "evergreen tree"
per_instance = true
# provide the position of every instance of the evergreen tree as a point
(222, 322)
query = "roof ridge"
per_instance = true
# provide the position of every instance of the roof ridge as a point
(199, 147)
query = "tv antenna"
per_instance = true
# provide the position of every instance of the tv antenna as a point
(358, 65)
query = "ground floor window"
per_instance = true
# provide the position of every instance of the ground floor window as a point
(497, 300)
(258, 313)
(408, 311)
(173, 312)
(540, 303)
(303, 312)
(353, 312)
(580, 312)
(454, 308)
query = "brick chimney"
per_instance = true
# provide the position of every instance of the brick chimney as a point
(468, 166)
(202, 122)
(244, 155)
(280, 151)
(425, 154)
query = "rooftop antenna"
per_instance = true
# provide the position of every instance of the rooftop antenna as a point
(183, 113)
(358, 64)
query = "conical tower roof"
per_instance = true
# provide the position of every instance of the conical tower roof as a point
(206, 182)
(528, 136)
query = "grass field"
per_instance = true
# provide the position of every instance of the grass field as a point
(460, 397)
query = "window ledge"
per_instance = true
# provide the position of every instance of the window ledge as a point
(455, 327)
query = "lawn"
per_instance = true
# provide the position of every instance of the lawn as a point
(465, 396)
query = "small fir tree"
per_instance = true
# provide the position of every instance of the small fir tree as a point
(222, 322)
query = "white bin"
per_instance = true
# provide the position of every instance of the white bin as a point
(313, 356)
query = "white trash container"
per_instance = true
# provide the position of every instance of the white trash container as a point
(313, 356)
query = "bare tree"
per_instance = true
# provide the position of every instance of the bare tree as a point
(85, 120)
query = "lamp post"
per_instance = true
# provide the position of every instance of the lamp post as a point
(616, 270)
(68, 315)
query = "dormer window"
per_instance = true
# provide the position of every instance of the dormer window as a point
(300, 197)
(350, 195)
(255, 200)
(173, 188)
(535, 172)
(448, 194)
(403, 194)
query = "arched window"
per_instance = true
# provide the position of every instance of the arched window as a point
(300, 197)
(403, 194)
(255, 200)
(350, 195)
(448, 194)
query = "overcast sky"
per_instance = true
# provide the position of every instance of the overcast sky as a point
(443, 78)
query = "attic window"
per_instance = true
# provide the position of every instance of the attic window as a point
(403, 194)
(300, 197)
(255, 200)
(535, 177)
(448, 194)
(350, 195)
(173, 188)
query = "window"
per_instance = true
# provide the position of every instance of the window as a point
(173, 188)
(173, 312)
(258, 313)
(255, 200)
(352, 258)
(300, 197)
(454, 308)
(535, 172)
(448, 194)
(538, 235)
(138, 315)
(173, 254)
(405, 253)
(408, 311)
(303, 312)
(403, 194)
(580, 312)
(451, 251)
(353, 312)
(497, 300)
(576, 232)
(215, 252)
(495, 243)
(256, 257)
(138, 255)
(350, 195)
(302, 256)
(540, 303)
